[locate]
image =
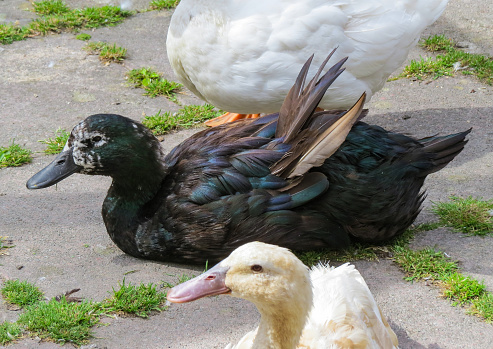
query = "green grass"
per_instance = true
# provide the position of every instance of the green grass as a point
(89, 17)
(21, 293)
(55, 145)
(356, 251)
(427, 263)
(471, 216)
(9, 331)
(365, 251)
(461, 289)
(437, 43)
(430, 264)
(163, 4)
(14, 155)
(482, 306)
(55, 16)
(467, 215)
(187, 117)
(94, 47)
(142, 77)
(10, 33)
(426, 67)
(427, 226)
(448, 61)
(184, 278)
(50, 7)
(83, 37)
(113, 53)
(107, 52)
(138, 300)
(61, 321)
(153, 83)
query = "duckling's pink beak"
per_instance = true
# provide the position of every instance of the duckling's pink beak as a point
(210, 283)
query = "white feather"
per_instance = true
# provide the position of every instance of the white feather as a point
(242, 56)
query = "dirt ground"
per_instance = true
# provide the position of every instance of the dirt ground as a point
(60, 239)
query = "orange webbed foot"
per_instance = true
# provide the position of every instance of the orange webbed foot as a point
(229, 117)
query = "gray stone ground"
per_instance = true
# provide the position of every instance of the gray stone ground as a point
(61, 242)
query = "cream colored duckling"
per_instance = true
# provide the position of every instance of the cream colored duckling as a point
(324, 307)
(242, 56)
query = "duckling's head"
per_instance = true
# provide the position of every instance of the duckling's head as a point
(269, 276)
(102, 144)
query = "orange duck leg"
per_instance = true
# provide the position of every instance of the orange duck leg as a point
(229, 117)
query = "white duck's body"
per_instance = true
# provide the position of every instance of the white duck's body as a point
(325, 308)
(354, 314)
(242, 56)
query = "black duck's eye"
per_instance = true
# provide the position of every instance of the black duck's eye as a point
(256, 268)
(96, 139)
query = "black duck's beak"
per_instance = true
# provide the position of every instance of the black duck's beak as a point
(60, 168)
(210, 283)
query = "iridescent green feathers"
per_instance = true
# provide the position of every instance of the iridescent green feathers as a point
(301, 179)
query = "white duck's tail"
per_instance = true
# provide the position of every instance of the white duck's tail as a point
(430, 10)
(377, 39)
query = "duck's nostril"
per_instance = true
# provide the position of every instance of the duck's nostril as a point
(210, 277)
(60, 162)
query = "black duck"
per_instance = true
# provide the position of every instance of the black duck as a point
(300, 179)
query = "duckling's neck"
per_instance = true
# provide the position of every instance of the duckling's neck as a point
(281, 325)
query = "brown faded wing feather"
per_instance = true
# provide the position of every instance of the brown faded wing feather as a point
(312, 137)
(316, 143)
(300, 103)
(286, 114)
(329, 141)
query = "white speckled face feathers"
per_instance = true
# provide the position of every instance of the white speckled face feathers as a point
(84, 143)
(106, 144)
(101, 144)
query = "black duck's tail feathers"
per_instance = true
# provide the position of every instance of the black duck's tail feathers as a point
(444, 148)
(312, 142)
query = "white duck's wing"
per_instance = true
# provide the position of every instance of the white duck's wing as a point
(344, 312)
(242, 56)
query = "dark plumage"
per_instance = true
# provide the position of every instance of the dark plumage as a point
(263, 179)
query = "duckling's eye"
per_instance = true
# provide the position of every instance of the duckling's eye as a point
(96, 139)
(256, 268)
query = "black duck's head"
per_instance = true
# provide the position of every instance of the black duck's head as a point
(102, 144)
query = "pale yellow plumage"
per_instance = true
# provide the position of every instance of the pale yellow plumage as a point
(321, 308)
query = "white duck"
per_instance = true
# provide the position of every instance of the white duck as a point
(242, 56)
(323, 308)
